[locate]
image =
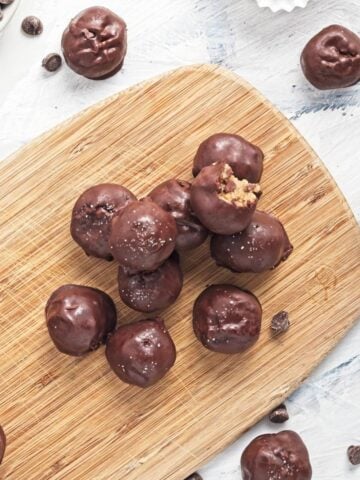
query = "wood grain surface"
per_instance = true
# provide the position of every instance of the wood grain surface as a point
(69, 418)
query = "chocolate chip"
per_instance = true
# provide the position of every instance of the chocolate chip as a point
(32, 25)
(354, 454)
(52, 62)
(194, 476)
(279, 414)
(280, 323)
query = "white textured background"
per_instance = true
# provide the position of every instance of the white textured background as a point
(264, 48)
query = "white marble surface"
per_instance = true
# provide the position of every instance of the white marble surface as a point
(264, 48)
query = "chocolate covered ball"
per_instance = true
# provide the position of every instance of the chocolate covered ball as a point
(260, 247)
(223, 203)
(143, 236)
(94, 43)
(92, 216)
(79, 318)
(151, 291)
(280, 456)
(2, 444)
(227, 319)
(244, 158)
(174, 197)
(141, 353)
(331, 59)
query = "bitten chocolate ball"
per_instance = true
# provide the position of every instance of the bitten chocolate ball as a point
(244, 158)
(262, 246)
(174, 197)
(141, 353)
(223, 203)
(94, 43)
(143, 236)
(79, 318)
(280, 456)
(151, 291)
(92, 216)
(2, 444)
(227, 319)
(331, 59)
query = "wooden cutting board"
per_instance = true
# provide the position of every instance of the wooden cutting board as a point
(69, 418)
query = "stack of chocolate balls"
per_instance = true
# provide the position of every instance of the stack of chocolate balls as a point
(147, 237)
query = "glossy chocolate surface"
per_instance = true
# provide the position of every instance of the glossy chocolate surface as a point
(174, 197)
(280, 456)
(2, 444)
(227, 319)
(331, 59)
(262, 246)
(94, 43)
(244, 158)
(79, 318)
(141, 353)
(92, 216)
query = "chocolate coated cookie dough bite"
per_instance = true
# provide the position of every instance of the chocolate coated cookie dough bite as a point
(244, 158)
(2, 444)
(174, 197)
(260, 247)
(227, 319)
(141, 353)
(79, 318)
(95, 42)
(92, 216)
(223, 203)
(280, 456)
(331, 59)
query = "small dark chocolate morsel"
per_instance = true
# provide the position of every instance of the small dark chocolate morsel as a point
(92, 217)
(262, 246)
(32, 25)
(244, 158)
(174, 197)
(151, 291)
(194, 476)
(280, 456)
(143, 236)
(280, 323)
(2, 444)
(331, 59)
(141, 353)
(52, 62)
(79, 318)
(354, 454)
(223, 203)
(279, 414)
(227, 319)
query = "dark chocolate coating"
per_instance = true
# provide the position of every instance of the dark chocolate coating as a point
(92, 216)
(143, 236)
(141, 353)
(280, 456)
(79, 318)
(262, 246)
(2, 444)
(174, 197)
(94, 43)
(213, 199)
(331, 59)
(151, 291)
(227, 319)
(244, 158)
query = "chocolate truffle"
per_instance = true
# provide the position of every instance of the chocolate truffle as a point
(151, 291)
(244, 158)
(262, 246)
(2, 443)
(174, 197)
(280, 456)
(92, 216)
(143, 236)
(227, 319)
(94, 43)
(331, 59)
(79, 318)
(141, 353)
(223, 203)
